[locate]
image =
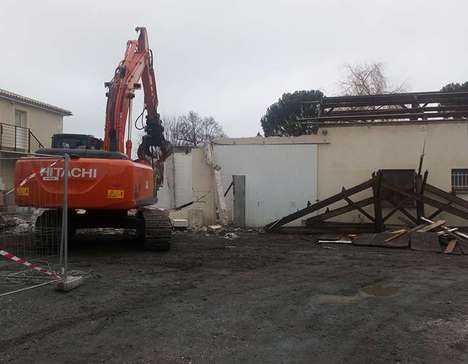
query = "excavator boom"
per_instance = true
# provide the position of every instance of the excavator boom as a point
(137, 64)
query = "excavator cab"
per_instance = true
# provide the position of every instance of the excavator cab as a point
(76, 141)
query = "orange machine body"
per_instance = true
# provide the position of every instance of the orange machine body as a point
(93, 183)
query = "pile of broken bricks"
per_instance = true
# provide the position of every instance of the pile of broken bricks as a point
(432, 236)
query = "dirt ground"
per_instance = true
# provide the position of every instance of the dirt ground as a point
(257, 299)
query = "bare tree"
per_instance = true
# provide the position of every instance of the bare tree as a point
(367, 79)
(169, 122)
(191, 129)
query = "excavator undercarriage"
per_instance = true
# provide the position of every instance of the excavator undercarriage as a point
(152, 227)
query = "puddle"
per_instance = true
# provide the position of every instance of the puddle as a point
(379, 290)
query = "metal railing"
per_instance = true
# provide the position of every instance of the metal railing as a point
(18, 139)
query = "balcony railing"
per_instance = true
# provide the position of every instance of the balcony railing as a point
(18, 139)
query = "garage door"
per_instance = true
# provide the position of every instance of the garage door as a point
(279, 179)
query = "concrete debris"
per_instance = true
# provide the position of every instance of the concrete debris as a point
(215, 228)
(22, 228)
(17, 225)
(224, 231)
(231, 236)
(180, 223)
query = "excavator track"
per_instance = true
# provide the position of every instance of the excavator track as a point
(155, 230)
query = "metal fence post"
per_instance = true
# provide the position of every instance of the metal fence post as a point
(64, 239)
(29, 140)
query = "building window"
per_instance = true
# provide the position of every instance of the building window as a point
(20, 118)
(460, 180)
(21, 133)
(403, 179)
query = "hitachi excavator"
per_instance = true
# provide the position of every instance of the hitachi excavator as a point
(106, 188)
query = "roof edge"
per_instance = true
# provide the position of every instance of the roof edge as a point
(14, 97)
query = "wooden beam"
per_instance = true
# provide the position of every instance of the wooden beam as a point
(413, 229)
(357, 207)
(340, 211)
(419, 186)
(451, 246)
(446, 195)
(404, 212)
(399, 205)
(437, 212)
(429, 201)
(432, 226)
(319, 205)
(408, 215)
(377, 189)
(396, 235)
(405, 221)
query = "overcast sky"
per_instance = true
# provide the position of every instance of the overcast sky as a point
(228, 59)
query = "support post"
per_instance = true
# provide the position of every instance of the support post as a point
(239, 201)
(419, 203)
(376, 188)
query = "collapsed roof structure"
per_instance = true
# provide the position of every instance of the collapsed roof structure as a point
(399, 107)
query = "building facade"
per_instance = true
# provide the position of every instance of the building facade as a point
(283, 174)
(26, 124)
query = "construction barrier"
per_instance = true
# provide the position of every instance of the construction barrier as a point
(33, 239)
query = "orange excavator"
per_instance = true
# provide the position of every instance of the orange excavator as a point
(106, 188)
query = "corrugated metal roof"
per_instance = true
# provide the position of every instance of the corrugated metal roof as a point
(11, 96)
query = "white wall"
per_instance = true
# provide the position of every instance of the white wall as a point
(177, 187)
(280, 179)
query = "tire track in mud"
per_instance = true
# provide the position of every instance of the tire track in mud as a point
(67, 323)
(120, 309)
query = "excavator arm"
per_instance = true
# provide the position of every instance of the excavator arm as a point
(137, 64)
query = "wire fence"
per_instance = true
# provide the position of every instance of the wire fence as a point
(33, 221)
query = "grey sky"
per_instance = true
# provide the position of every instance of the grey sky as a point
(228, 59)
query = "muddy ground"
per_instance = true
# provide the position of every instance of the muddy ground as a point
(257, 299)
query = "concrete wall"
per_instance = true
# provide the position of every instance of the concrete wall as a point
(188, 178)
(43, 124)
(203, 211)
(279, 178)
(177, 187)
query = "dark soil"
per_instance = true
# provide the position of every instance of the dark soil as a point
(257, 299)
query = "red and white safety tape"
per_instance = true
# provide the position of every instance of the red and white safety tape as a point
(27, 264)
(30, 177)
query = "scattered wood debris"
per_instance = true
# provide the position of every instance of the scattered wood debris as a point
(335, 242)
(432, 236)
(451, 246)
(372, 199)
